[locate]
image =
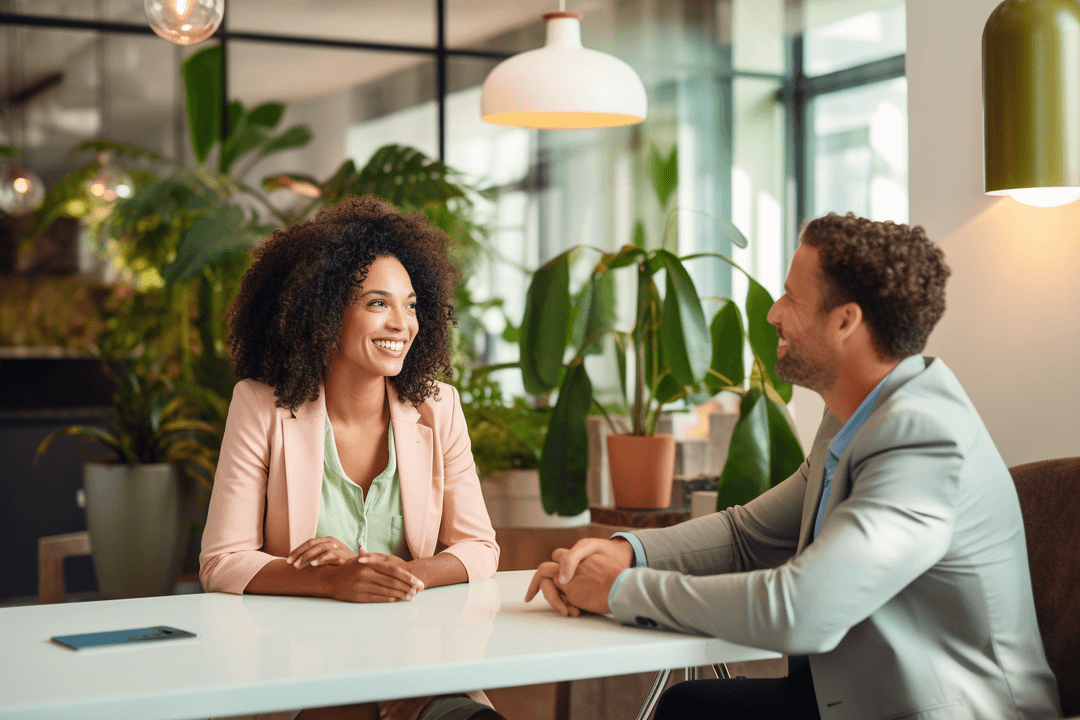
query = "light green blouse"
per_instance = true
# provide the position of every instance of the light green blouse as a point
(375, 523)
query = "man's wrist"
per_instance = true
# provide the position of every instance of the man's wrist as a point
(638, 559)
(625, 551)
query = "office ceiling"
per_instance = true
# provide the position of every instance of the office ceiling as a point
(296, 72)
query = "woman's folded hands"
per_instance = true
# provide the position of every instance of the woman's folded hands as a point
(359, 577)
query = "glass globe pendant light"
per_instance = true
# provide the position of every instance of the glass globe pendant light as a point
(563, 84)
(21, 190)
(184, 22)
(109, 184)
(1031, 101)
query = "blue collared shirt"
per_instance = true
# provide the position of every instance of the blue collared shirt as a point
(839, 445)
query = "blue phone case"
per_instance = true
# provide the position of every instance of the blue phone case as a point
(121, 637)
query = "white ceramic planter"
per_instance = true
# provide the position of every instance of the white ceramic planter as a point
(513, 500)
(137, 540)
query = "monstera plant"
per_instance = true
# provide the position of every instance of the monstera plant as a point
(676, 353)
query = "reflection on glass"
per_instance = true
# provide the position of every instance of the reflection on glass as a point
(401, 22)
(845, 42)
(860, 152)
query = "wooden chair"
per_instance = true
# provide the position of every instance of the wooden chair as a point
(52, 549)
(1049, 492)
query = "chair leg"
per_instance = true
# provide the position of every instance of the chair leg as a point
(654, 694)
(52, 550)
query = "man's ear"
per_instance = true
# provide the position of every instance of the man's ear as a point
(850, 318)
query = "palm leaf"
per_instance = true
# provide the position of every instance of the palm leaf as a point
(93, 434)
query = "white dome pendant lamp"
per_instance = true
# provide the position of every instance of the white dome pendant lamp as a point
(563, 85)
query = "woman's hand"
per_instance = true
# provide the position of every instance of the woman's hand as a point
(366, 578)
(319, 551)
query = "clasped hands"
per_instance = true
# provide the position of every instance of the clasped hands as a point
(358, 577)
(580, 578)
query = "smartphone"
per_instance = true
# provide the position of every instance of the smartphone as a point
(120, 637)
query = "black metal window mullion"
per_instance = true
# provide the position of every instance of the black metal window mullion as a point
(224, 36)
(440, 74)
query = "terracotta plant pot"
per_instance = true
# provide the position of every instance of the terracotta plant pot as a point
(642, 468)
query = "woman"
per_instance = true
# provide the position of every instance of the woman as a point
(345, 465)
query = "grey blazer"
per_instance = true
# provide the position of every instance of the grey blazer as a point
(913, 602)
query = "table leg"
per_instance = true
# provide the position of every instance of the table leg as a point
(562, 700)
(721, 671)
(654, 694)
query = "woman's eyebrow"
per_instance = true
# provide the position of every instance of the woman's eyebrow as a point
(386, 293)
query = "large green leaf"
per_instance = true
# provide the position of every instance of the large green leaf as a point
(565, 460)
(294, 137)
(626, 255)
(243, 138)
(219, 233)
(729, 230)
(763, 337)
(545, 325)
(727, 348)
(664, 174)
(763, 452)
(596, 313)
(203, 87)
(268, 115)
(683, 331)
(786, 453)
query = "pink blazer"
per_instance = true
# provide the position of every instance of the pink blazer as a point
(268, 485)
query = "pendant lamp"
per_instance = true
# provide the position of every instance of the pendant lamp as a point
(563, 85)
(184, 22)
(1031, 101)
(21, 190)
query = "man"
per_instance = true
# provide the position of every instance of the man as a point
(894, 557)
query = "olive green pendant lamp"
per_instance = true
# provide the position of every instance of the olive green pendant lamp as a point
(1031, 101)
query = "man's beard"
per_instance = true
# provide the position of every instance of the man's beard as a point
(809, 371)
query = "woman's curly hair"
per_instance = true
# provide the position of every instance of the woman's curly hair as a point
(894, 272)
(287, 317)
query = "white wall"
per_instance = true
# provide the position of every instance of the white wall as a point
(1011, 330)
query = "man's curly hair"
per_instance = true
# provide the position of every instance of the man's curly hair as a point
(287, 317)
(894, 272)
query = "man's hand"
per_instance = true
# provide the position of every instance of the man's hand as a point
(581, 578)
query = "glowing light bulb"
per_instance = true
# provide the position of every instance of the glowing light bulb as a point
(1046, 197)
(21, 190)
(184, 22)
(109, 185)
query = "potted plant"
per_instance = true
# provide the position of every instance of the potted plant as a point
(136, 498)
(506, 442)
(676, 354)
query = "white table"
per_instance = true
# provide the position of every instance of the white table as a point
(258, 653)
